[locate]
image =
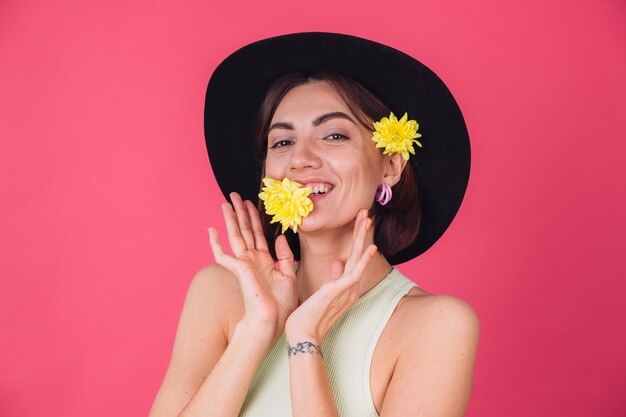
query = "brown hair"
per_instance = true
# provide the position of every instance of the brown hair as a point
(396, 224)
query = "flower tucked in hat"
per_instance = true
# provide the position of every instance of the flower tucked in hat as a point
(288, 201)
(396, 135)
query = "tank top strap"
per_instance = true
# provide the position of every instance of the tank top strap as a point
(399, 286)
(349, 346)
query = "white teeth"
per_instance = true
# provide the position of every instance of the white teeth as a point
(320, 188)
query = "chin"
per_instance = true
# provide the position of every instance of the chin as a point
(307, 226)
(319, 224)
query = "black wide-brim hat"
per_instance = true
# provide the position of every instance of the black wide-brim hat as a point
(238, 86)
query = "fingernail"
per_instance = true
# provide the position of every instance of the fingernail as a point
(364, 214)
(373, 250)
(369, 224)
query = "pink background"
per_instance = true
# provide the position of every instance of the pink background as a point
(106, 190)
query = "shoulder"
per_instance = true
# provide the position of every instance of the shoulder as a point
(213, 279)
(201, 337)
(441, 307)
(437, 318)
(214, 291)
(436, 354)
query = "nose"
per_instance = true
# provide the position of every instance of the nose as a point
(304, 155)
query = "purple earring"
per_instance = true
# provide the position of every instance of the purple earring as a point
(383, 194)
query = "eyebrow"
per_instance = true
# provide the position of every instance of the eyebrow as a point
(322, 119)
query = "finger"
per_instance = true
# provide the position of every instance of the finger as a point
(355, 232)
(257, 228)
(221, 258)
(359, 241)
(336, 270)
(356, 273)
(237, 244)
(284, 255)
(357, 221)
(243, 219)
(249, 287)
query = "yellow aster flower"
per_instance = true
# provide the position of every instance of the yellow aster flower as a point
(288, 201)
(396, 135)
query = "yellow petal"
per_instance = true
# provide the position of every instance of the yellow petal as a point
(287, 201)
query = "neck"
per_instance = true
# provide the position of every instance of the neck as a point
(319, 251)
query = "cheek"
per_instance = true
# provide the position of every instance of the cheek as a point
(375, 167)
(360, 165)
(273, 169)
(365, 177)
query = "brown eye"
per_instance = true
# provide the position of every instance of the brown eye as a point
(281, 144)
(336, 136)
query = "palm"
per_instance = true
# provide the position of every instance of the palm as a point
(274, 291)
(269, 290)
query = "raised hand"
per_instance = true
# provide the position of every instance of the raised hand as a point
(313, 319)
(269, 291)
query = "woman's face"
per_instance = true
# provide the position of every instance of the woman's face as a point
(315, 139)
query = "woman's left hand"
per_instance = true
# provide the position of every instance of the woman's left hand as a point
(312, 320)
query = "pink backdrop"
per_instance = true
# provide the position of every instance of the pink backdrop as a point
(106, 190)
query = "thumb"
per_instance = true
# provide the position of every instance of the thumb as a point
(284, 255)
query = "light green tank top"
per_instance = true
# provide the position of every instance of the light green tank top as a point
(348, 349)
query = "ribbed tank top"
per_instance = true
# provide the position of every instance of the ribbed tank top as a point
(348, 350)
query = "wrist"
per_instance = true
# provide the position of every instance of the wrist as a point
(295, 333)
(304, 347)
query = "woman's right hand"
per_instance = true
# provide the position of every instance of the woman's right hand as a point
(269, 291)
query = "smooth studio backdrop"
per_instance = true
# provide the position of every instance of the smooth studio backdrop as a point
(106, 190)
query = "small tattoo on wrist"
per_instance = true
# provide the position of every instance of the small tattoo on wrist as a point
(304, 347)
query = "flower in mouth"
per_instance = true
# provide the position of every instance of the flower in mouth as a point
(396, 136)
(288, 201)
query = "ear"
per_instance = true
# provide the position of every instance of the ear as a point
(394, 165)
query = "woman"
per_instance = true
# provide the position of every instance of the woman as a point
(343, 332)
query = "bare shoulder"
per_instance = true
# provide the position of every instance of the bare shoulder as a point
(219, 294)
(438, 339)
(426, 316)
(214, 279)
(201, 337)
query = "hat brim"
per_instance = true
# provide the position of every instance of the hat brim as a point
(239, 84)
